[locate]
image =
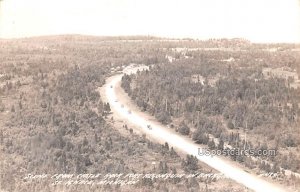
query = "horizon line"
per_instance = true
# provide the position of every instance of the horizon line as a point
(151, 37)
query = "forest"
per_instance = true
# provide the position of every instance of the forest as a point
(52, 118)
(222, 99)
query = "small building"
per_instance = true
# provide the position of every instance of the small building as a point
(197, 78)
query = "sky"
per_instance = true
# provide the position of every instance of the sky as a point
(256, 20)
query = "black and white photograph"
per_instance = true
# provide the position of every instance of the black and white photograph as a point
(150, 96)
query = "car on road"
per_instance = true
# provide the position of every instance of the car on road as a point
(149, 127)
(111, 86)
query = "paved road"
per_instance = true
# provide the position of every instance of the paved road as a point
(161, 133)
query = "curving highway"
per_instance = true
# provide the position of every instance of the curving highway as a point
(125, 109)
